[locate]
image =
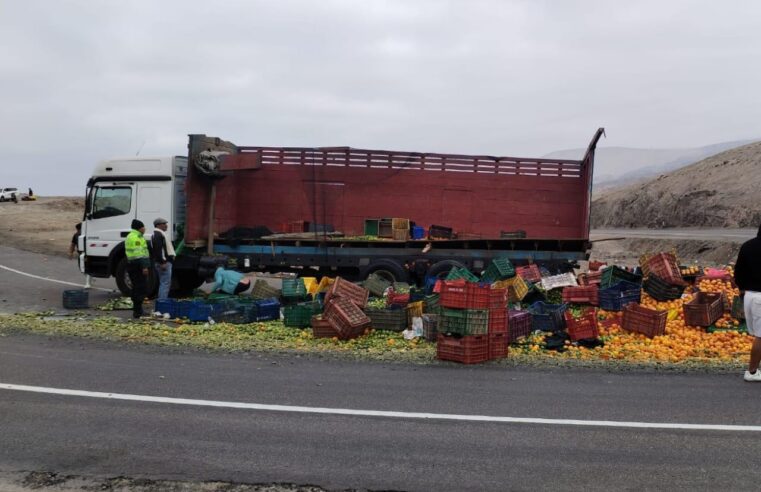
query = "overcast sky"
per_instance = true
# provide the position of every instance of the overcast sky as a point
(86, 80)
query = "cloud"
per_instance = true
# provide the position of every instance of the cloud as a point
(84, 80)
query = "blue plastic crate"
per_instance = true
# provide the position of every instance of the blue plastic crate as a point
(166, 306)
(547, 317)
(266, 310)
(616, 297)
(182, 308)
(417, 232)
(200, 311)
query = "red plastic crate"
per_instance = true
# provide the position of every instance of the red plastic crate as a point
(498, 346)
(478, 296)
(590, 278)
(704, 309)
(518, 324)
(498, 320)
(497, 298)
(321, 328)
(582, 295)
(392, 298)
(472, 349)
(665, 266)
(642, 320)
(595, 265)
(345, 317)
(348, 290)
(529, 273)
(454, 294)
(582, 327)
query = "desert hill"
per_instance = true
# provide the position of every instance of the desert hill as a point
(723, 190)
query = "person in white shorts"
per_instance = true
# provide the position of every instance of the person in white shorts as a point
(748, 279)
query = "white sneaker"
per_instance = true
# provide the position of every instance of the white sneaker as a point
(752, 378)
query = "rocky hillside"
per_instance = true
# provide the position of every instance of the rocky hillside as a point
(720, 191)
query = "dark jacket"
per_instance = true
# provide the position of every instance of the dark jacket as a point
(158, 249)
(748, 266)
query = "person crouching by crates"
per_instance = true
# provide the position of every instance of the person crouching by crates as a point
(748, 280)
(230, 281)
(162, 253)
(138, 263)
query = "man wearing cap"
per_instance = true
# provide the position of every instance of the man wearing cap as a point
(138, 263)
(162, 253)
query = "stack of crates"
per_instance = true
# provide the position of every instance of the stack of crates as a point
(498, 341)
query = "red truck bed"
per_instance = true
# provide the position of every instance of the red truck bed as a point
(474, 195)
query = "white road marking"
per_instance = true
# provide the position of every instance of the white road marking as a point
(381, 413)
(51, 279)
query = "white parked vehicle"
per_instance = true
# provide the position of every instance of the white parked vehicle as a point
(8, 194)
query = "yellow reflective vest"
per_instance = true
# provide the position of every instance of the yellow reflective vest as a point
(136, 247)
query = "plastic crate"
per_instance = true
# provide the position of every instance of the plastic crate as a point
(343, 288)
(387, 319)
(582, 327)
(431, 304)
(498, 346)
(321, 328)
(200, 311)
(346, 317)
(498, 320)
(265, 310)
(642, 320)
(376, 285)
(478, 295)
(529, 273)
(76, 299)
(236, 316)
(497, 298)
(395, 299)
(547, 317)
(665, 266)
(618, 296)
(453, 294)
(581, 295)
(595, 265)
(397, 223)
(517, 288)
(738, 308)
(519, 325)
(371, 227)
(294, 289)
(464, 321)
(704, 309)
(263, 290)
(440, 232)
(461, 274)
(498, 269)
(418, 232)
(300, 315)
(400, 234)
(590, 278)
(558, 281)
(660, 290)
(613, 275)
(430, 327)
(166, 306)
(465, 350)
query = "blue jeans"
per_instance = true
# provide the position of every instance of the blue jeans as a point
(165, 280)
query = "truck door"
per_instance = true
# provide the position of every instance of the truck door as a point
(111, 211)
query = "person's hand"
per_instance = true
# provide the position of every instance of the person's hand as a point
(163, 266)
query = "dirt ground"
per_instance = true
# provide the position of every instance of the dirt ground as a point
(43, 226)
(46, 226)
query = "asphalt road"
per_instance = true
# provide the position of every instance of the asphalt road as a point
(101, 437)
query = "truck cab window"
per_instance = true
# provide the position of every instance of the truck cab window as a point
(110, 202)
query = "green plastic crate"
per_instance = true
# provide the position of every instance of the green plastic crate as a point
(464, 321)
(300, 315)
(294, 289)
(613, 275)
(263, 290)
(371, 227)
(461, 273)
(376, 285)
(387, 319)
(498, 269)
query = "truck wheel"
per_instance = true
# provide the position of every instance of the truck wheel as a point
(387, 269)
(125, 284)
(186, 281)
(442, 268)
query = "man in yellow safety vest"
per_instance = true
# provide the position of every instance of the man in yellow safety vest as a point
(138, 265)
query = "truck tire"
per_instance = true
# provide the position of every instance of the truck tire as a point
(185, 282)
(125, 285)
(387, 269)
(442, 268)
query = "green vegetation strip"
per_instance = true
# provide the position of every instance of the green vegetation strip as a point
(273, 337)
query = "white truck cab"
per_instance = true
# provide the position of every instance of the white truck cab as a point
(119, 191)
(9, 194)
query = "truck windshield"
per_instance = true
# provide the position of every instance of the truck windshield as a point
(112, 201)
